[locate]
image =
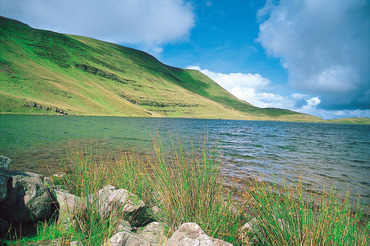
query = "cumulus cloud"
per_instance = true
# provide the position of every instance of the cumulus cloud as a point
(324, 45)
(248, 87)
(146, 22)
(255, 89)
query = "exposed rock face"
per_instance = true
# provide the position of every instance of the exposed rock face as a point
(29, 199)
(190, 234)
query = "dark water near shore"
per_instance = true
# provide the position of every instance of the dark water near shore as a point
(318, 153)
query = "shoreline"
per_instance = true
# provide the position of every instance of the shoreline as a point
(351, 121)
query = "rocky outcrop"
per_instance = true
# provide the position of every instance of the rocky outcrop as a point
(37, 106)
(191, 234)
(28, 199)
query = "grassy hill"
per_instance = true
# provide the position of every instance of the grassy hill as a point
(43, 72)
(362, 121)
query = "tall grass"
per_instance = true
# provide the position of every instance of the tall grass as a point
(190, 189)
(85, 174)
(292, 216)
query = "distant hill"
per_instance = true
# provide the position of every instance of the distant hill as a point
(350, 121)
(43, 72)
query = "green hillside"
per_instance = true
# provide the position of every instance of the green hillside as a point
(43, 72)
(362, 121)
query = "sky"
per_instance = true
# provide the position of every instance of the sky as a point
(310, 56)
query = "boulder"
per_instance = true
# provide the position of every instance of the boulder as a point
(29, 199)
(4, 177)
(5, 162)
(68, 205)
(123, 225)
(154, 233)
(112, 201)
(127, 238)
(191, 234)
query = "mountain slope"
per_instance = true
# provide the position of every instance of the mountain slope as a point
(43, 72)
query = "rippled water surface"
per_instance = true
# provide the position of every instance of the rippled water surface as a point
(319, 153)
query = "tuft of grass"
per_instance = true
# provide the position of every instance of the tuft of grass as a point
(190, 189)
(85, 174)
(292, 216)
(130, 172)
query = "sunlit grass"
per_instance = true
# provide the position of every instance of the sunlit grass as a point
(286, 215)
(190, 189)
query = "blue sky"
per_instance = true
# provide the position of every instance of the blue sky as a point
(310, 56)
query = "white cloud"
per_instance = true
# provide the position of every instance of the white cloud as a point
(229, 81)
(248, 87)
(254, 89)
(313, 102)
(146, 22)
(324, 45)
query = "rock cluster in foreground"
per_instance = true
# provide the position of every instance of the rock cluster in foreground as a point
(25, 196)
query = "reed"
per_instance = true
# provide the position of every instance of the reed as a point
(190, 189)
(286, 215)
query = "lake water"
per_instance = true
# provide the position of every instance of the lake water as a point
(318, 153)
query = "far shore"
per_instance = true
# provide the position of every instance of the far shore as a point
(354, 120)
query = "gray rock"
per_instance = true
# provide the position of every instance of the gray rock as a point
(68, 205)
(75, 243)
(154, 233)
(247, 228)
(49, 182)
(190, 234)
(156, 211)
(126, 238)
(4, 177)
(123, 225)
(28, 198)
(5, 162)
(111, 200)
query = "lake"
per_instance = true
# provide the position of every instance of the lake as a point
(321, 154)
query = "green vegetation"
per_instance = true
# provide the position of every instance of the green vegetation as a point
(350, 121)
(292, 216)
(188, 186)
(43, 72)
